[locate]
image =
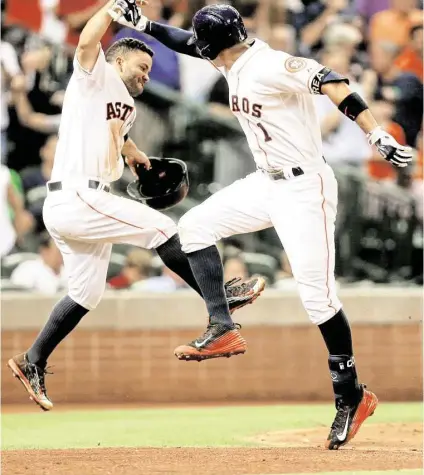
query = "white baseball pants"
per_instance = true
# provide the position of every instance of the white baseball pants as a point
(85, 223)
(303, 212)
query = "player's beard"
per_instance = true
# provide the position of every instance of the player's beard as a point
(132, 86)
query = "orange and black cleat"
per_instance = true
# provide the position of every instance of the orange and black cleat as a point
(349, 419)
(243, 293)
(219, 341)
(32, 378)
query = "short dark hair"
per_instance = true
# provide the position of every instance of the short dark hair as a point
(125, 45)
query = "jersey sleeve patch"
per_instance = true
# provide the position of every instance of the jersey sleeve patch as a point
(294, 64)
(324, 76)
(317, 79)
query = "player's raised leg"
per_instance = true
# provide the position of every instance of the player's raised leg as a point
(233, 210)
(131, 222)
(309, 243)
(86, 266)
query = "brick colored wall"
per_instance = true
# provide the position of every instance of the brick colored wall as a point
(284, 363)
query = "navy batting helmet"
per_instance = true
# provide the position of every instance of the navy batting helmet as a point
(215, 28)
(163, 186)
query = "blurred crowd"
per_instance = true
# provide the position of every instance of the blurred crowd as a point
(377, 44)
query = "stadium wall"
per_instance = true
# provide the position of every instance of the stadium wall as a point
(123, 351)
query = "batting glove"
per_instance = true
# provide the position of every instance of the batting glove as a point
(389, 149)
(127, 13)
(127, 10)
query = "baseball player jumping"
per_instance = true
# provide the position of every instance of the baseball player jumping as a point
(80, 213)
(293, 189)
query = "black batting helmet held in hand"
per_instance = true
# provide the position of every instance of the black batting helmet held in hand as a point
(215, 28)
(163, 186)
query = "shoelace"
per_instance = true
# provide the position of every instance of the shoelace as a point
(42, 384)
(209, 331)
(234, 289)
(340, 419)
(37, 376)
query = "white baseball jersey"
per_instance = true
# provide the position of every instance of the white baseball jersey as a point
(271, 96)
(97, 112)
(84, 222)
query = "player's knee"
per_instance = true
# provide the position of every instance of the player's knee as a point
(166, 229)
(89, 297)
(322, 310)
(194, 232)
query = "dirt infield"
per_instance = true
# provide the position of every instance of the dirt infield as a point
(382, 437)
(377, 447)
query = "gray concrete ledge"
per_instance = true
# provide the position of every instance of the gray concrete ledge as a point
(128, 310)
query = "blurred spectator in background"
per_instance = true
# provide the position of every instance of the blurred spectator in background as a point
(15, 221)
(166, 69)
(376, 43)
(367, 8)
(168, 281)
(395, 23)
(46, 69)
(283, 38)
(9, 69)
(346, 38)
(403, 89)
(45, 274)
(344, 143)
(235, 267)
(44, 123)
(34, 181)
(74, 15)
(316, 15)
(410, 59)
(417, 185)
(138, 267)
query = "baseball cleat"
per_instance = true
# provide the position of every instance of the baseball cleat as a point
(32, 377)
(218, 341)
(241, 294)
(349, 419)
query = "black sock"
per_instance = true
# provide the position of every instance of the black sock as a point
(64, 318)
(337, 335)
(173, 257)
(207, 268)
(338, 338)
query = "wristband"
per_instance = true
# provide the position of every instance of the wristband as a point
(352, 106)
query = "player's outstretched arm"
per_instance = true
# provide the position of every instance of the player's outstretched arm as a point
(354, 107)
(172, 37)
(89, 40)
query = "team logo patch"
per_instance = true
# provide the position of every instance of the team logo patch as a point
(294, 64)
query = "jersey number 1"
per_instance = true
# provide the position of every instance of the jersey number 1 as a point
(268, 138)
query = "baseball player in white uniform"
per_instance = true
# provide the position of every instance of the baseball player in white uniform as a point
(293, 189)
(80, 213)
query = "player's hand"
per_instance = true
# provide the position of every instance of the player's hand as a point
(128, 13)
(137, 156)
(398, 155)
